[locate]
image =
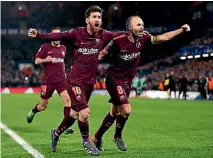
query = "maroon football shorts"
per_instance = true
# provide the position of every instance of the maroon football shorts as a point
(80, 95)
(119, 92)
(48, 89)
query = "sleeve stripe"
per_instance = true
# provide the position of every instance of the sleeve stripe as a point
(119, 37)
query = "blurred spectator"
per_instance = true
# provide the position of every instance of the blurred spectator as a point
(114, 14)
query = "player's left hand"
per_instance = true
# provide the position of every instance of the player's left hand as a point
(146, 33)
(185, 28)
(32, 33)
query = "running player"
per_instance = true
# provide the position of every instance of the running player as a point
(126, 51)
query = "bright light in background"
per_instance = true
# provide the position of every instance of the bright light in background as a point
(211, 54)
(205, 55)
(182, 58)
(197, 56)
(190, 57)
(26, 78)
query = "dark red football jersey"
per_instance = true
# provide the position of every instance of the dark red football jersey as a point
(85, 51)
(54, 71)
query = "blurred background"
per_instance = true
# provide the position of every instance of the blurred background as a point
(188, 56)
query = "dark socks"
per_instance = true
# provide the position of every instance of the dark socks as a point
(106, 124)
(67, 111)
(120, 123)
(35, 109)
(84, 130)
(65, 124)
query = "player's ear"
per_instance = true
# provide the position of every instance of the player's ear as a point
(87, 20)
(130, 27)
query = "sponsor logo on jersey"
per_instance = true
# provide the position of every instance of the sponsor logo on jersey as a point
(57, 60)
(130, 56)
(88, 51)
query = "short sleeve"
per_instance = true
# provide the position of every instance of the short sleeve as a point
(41, 52)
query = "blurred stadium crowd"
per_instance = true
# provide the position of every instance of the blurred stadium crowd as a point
(157, 62)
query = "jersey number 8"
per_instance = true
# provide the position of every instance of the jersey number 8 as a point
(120, 90)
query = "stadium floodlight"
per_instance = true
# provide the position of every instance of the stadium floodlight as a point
(197, 56)
(182, 58)
(211, 54)
(190, 57)
(205, 55)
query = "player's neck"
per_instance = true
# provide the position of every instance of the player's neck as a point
(58, 45)
(132, 38)
(89, 30)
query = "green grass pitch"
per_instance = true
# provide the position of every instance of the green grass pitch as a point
(155, 129)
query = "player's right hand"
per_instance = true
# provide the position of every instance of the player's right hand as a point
(102, 54)
(48, 59)
(32, 33)
(100, 57)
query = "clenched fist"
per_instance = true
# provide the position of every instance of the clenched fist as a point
(48, 59)
(185, 28)
(32, 33)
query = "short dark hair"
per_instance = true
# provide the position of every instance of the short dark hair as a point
(128, 21)
(91, 9)
(55, 28)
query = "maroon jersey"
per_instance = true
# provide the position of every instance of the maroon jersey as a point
(54, 71)
(126, 56)
(85, 51)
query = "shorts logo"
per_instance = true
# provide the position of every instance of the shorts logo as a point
(43, 90)
(78, 97)
(122, 97)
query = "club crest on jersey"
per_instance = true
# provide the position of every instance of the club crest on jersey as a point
(97, 41)
(63, 53)
(138, 44)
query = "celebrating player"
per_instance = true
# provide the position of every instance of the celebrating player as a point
(88, 41)
(126, 51)
(52, 56)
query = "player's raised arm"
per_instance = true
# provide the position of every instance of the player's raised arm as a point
(33, 33)
(169, 35)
